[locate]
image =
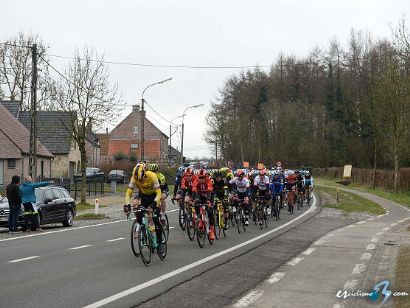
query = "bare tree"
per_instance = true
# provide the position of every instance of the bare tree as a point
(86, 93)
(16, 70)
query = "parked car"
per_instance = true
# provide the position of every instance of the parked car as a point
(4, 213)
(116, 176)
(92, 174)
(54, 204)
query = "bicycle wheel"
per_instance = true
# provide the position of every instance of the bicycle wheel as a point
(232, 217)
(244, 226)
(145, 245)
(308, 198)
(200, 232)
(134, 238)
(266, 217)
(164, 242)
(260, 217)
(298, 202)
(182, 218)
(217, 222)
(165, 226)
(190, 227)
(238, 221)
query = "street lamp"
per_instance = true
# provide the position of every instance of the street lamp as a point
(171, 134)
(182, 132)
(143, 114)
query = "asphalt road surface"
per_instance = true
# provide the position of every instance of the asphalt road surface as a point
(95, 266)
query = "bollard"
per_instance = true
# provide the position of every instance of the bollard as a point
(97, 206)
(337, 195)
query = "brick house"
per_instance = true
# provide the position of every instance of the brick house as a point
(104, 141)
(126, 138)
(14, 150)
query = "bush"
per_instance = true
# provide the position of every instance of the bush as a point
(120, 156)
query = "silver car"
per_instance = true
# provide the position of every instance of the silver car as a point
(4, 213)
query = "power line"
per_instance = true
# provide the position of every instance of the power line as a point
(166, 65)
(157, 113)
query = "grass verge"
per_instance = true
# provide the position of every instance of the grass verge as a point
(85, 206)
(349, 202)
(402, 198)
(402, 277)
(91, 216)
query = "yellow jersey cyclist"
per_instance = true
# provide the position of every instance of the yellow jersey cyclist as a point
(163, 185)
(148, 194)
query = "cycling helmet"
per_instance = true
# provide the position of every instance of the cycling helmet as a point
(202, 173)
(217, 174)
(189, 171)
(139, 172)
(181, 169)
(240, 173)
(224, 171)
(152, 167)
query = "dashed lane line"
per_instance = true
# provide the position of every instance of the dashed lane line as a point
(116, 239)
(309, 251)
(366, 256)
(275, 277)
(371, 247)
(249, 298)
(386, 229)
(374, 240)
(79, 247)
(24, 259)
(294, 261)
(379, 233)
(359, 268)
(350, 285)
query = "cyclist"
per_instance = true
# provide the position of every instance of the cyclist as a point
(308, 183)
(178, 178)
(163, 185)
(148, 194)
(186, 185)
(290, 185)
(299, 185)
(220, 191)
(202, 189)
(242, 192)
(262, 184)
(277, 187)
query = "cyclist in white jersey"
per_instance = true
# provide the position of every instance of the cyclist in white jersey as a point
(242, 192)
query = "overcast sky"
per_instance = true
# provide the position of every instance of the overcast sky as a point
(193, 33)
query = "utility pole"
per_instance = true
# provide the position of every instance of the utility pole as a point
(33, 116)
(182, 142)
(216, 150)
(142, 128)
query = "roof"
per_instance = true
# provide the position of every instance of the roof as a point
(92, 138)
(104, 143)
(12, 106)
(18, 134)
(53, 129)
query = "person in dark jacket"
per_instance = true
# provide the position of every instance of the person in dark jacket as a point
(28, 197)
(14, 198)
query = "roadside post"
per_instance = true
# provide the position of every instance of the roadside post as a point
(97, 206)
(113, 186)
(337, 195)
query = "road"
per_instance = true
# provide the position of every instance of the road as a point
(95, 266)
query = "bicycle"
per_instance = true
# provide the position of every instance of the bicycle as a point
(299, 201)
(182, 214)
(202, 225)
(191, 221)
(261, 212)
(146, 238)
(309, 191)
(276, 207)
(290, 198)
(219, 218)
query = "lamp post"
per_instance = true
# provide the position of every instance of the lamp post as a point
(182, 131)
(143, 114)
(170, 136)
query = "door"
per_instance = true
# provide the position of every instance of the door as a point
(47, 207)
(58, 205)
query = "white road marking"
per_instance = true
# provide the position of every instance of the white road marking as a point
(295, 261)
(275, 277)
(309, 251)
(369, 219)
(319, 242)
(366, 256)
(173, 273)
(361, 222)
(350, 285)
(371, 247)
(393, 225)
(359, 268)
(349, 226)
(379, 233)
(330, 235)
(380, 216)
(386, 229)
(116, 239)
(249, 298)
(374, 240)
(70, 229)
(338, 306)
(79, 247)
(401, 221)
(24, 259)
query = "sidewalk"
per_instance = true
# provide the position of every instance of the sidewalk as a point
(352, 258)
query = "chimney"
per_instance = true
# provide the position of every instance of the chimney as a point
(136, 108)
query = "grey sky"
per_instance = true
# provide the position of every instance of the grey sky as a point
(188, 32)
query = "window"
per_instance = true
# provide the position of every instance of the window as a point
(11, 163)
(65, 193)
(134, 146)
(135, 129)
(57, 194)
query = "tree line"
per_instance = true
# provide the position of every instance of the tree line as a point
(337, 105)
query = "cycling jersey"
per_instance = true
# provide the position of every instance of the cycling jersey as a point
(202, 187)
(162, 182)
(262, 182)
(148, 185)
(308, 180)
(241, 185)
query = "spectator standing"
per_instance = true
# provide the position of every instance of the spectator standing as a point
(29, 201)
(14, 197)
